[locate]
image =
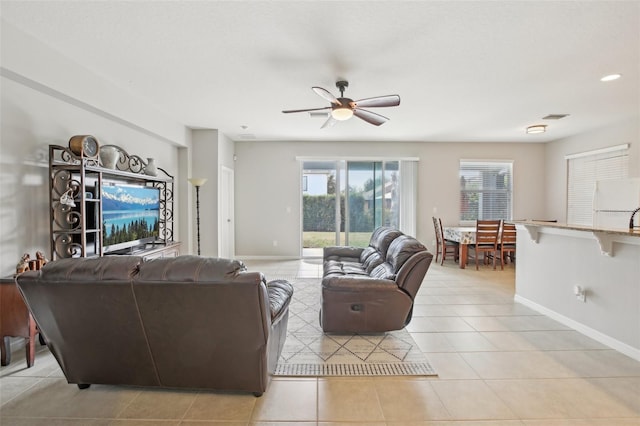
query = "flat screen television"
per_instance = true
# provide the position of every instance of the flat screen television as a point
(130, 216)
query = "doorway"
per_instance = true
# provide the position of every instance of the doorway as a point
(344, 201)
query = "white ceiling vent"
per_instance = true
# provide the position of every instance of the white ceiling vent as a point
(554, 116)
(319, 114)
(247, 136)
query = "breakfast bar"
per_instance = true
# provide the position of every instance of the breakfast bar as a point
(587, 278)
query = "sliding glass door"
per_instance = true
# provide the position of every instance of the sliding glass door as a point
(344, 201)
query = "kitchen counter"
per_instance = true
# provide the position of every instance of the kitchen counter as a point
(553, 259)
(604, 236)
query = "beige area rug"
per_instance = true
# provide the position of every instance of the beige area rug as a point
(310, 352)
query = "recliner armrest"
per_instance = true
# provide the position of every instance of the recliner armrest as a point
(279, 293)
(342, 251)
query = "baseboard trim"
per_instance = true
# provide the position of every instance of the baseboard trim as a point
(578, 326)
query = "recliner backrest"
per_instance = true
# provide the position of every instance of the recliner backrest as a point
(401, 249)
(382, 237)
(83, 306)
(409, 260)
(208, 309)
(185, 269)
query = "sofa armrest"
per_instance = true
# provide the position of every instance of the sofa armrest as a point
(342, 251)
(358, 283)
(279, 293)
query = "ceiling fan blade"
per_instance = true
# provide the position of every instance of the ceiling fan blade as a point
(370, 117)
(379, 101)
(325, 94)
(305, 110)
(329, 123)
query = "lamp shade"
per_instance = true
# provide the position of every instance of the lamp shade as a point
(197, 181)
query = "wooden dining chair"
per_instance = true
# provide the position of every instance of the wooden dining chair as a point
(487, 232)
(507, 243)
(444, 246)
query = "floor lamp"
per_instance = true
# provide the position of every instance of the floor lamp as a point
(198, 182)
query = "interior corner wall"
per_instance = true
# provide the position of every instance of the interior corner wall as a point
(204, 164)
(626, 131)
(268, 187)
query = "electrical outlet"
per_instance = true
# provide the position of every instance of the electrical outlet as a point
(580, 293)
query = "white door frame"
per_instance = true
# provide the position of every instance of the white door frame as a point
(226, 222)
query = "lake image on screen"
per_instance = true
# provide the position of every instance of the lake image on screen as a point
(129, 213)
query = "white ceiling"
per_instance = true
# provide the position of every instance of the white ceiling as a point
(465, 71)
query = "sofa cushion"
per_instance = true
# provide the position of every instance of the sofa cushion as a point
(333, 267)
(368, 251)
(353, 268)
(336, 267)
(373, 261)
(401, 249)
(384, 271)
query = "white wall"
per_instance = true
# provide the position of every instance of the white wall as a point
(45, 99)
(627, 131)
(268, 185)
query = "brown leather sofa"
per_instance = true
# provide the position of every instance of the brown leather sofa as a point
(371, 290)
(183, 322)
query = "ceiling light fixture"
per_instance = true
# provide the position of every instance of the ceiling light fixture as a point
(538, 128)
(341, 113)
(611, 77)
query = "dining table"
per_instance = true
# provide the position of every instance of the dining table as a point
(463, 235)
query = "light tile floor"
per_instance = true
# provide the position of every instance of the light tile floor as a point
(499, 363)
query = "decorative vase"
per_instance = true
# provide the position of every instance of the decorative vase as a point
(109, 156)
(151, 168)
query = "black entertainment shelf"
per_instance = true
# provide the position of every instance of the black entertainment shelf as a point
(76, 204)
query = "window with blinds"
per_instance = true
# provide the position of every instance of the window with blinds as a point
(583, 170)
(486, 190)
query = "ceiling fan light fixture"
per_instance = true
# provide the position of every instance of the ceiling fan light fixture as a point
(538, 128)
(342, 113)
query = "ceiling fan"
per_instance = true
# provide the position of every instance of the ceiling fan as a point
(344, 108)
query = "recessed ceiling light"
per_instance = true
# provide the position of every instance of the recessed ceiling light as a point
(538, 128)
(611, 77)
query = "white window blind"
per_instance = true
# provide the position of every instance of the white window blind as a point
(583, 171)
(486, 190)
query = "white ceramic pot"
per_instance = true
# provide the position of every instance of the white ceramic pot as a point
(109, 156)
(151, 168)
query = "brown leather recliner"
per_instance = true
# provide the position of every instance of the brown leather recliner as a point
(184, 322)
(371, 290)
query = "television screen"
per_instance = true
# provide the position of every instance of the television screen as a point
(130, 215)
